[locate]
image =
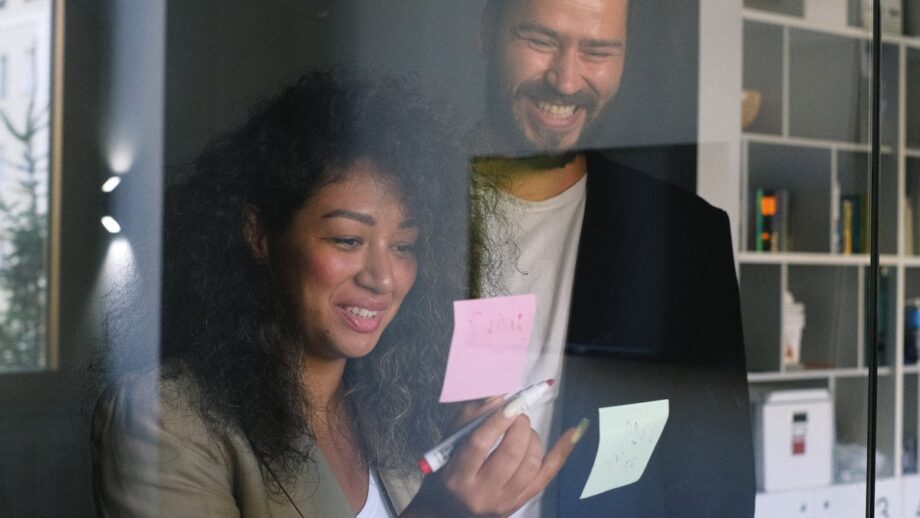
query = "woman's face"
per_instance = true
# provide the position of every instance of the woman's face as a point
(347, 261)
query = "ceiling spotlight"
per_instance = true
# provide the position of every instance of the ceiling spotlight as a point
(111, 225)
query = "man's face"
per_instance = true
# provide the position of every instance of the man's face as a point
(554, 65)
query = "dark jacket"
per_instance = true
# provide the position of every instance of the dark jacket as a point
(655, 314)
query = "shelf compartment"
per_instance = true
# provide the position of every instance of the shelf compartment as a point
(911, 424)
(829, 87)
(854, 177)
(828, 91)
(763, 71)
(832, 302)
(850, 409)
(889, 307)
(911, 216)
(831, 338)
(806, 174)
(912, 108)
(761, 300)
(911, 283)
(911, 291)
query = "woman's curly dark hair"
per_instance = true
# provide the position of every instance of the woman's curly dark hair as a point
(226, 320)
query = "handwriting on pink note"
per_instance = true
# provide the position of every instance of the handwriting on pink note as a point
(488, 350)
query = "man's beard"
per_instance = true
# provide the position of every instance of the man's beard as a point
(513, 140)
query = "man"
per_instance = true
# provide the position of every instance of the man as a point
(634, 278)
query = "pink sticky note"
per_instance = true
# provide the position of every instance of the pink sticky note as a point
(488, 350)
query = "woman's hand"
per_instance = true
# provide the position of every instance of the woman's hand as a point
(478, 481)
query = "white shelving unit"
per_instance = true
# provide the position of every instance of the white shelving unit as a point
(817, 146)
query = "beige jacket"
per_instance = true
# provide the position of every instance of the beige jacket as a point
(153, 457)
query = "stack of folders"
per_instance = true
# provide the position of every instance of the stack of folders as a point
(771, 220)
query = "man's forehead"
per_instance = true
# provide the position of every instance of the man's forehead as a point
(600, 16)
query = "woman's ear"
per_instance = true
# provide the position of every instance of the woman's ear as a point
(254, 232)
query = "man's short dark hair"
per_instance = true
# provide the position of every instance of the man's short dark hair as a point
(498, 8)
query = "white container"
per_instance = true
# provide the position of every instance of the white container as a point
(794, 439)
(793, 325)
(827, 13)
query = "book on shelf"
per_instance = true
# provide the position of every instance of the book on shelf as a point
(851, 227)
(771, 220)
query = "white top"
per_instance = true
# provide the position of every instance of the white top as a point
(547, 235)
(375, 506)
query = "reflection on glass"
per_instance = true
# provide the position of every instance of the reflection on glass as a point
(25, 51)
(323, 250)
(634, 277)
(640, 278)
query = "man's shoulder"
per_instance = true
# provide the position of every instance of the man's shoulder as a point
(611, 183)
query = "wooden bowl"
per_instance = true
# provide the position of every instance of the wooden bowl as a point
(750, 107)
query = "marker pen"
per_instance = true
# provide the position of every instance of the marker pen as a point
(437, 457)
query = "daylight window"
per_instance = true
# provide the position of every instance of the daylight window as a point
(24, 184)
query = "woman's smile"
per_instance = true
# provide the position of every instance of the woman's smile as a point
(361, 318)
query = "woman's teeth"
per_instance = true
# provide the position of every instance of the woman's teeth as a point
(557, 110)
(361, 312)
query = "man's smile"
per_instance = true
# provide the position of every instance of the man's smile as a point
(555, 117)
(557, 110)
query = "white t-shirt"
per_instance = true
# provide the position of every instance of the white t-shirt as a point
(375, 506)
(546, 234)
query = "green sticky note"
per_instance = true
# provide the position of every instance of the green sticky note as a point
(628, 435)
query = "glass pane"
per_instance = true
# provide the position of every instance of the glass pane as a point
(806, 171)
(342, 225)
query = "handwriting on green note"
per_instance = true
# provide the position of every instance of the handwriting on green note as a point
(627, 437)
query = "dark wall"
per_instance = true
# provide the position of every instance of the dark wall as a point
(659, 98)
(223, 55)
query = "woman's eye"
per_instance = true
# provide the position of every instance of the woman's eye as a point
(347, 242)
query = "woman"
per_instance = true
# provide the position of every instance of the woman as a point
(311, 257)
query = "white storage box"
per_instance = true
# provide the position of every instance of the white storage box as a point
(794, 439)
